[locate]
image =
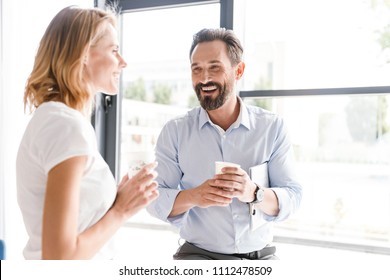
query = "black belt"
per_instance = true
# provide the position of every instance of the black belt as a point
(256, 255)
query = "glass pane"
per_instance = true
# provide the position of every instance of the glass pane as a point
(314, 44)
(156, 85)
(342, 147)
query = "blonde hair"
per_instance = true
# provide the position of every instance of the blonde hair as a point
(57, 74)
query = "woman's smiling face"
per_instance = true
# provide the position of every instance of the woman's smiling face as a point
(104, 63)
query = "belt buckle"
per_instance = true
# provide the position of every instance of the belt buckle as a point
(255, 255)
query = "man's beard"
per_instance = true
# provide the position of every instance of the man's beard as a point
(207, 102)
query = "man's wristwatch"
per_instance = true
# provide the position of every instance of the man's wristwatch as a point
(259, 194)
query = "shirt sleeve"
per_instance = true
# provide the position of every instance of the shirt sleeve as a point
(282, 175)
(169, 184)
(60, 139)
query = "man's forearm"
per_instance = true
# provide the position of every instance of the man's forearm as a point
(182, 203)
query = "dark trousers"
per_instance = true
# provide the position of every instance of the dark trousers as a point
(189, 251)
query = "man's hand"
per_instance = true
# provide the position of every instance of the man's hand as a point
(203, 196)
(207, 195)
(237, 181)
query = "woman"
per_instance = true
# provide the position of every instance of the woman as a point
(70, 203)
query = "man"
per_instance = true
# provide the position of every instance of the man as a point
(217, 214)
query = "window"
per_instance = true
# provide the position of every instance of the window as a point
(333, 55)
(156, 84)
(342, 148)
(321, 65)
(314, 44)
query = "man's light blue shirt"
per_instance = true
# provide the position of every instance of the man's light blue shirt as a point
(186, 151)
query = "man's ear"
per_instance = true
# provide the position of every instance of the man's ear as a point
(240, 70)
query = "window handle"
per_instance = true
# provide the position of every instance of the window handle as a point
(107, 103)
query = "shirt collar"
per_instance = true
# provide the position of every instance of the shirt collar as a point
(243, 117)
(244, 114)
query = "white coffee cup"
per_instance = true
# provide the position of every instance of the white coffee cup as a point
(221, 164)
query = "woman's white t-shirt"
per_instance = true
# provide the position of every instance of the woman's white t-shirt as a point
(54, 134)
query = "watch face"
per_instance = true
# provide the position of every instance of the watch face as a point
(260, 195)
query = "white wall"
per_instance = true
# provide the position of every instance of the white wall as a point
(23, 24)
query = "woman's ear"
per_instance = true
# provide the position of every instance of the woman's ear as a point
(240, 70)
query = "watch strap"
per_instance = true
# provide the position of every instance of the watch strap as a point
(256, 190)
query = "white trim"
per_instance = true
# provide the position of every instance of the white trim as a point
(2, 183)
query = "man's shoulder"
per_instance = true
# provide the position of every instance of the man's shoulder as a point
(189, 117)
(261, 113)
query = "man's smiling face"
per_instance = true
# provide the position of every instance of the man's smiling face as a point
(213, 76)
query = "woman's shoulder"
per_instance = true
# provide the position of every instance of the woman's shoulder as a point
(57, 114)
(55, 119)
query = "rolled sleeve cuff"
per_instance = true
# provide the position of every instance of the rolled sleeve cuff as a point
(285, 207)
(162, 206)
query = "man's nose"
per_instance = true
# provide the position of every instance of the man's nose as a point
(205, 77)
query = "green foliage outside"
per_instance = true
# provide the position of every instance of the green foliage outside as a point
(162, 94)
(136, 90)
(193, 101)
(265, 102)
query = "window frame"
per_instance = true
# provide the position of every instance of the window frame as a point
(315, 92)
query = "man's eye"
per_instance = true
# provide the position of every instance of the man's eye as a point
(195, 70)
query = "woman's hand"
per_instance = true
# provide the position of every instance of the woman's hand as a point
(137, 192)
